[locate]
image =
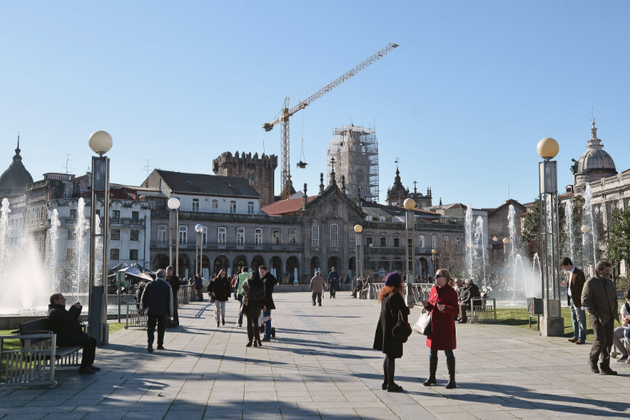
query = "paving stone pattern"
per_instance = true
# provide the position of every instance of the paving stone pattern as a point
(321, 366)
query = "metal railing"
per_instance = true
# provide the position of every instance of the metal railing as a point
(483, 310)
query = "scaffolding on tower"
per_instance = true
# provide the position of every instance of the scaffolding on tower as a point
(355, 149)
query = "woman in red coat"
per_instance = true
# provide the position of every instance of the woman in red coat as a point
(443, 306)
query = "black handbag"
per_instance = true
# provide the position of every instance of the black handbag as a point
(402, 329)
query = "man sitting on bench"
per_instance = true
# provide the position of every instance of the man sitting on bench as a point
(69, 332)
(470, 292)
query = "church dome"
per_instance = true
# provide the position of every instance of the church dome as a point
(596, 159)
(16, 178)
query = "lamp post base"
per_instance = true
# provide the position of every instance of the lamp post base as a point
(551, 326)
(97, 327)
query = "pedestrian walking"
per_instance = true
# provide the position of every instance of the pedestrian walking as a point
(173, 280)
(253, 302)
(219, 290)
(239, 293)
(442, 304)
(392, 304)
(198, 282)
(157, 301)
(270, 281)
(317, 286)
(333, 282)
(599, 297)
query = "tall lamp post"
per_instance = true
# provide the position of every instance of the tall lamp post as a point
(358, 229)
(434, 259)
(409, 205)
(173, 204)
(199, 264)
(553, 323)
(100, 142)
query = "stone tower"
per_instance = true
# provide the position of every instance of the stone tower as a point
(258, 170)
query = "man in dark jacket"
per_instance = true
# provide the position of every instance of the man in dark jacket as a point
(575, 283)
(157, 300)
(69, 332)
(199, 286)
(470, 292)
(173, 280)
(270, 281)
(333, 282)
(599, 297)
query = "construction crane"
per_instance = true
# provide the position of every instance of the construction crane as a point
(286, 113)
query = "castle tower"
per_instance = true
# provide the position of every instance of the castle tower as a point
(258, 170)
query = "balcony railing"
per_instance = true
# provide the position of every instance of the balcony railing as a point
(232, 246)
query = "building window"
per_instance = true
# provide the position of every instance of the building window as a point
(446, 238)
(134, 235)
(232, 206)
(258, 238)
(250, 207)
(240, 236)
(98, 212)
(334, 235)
(161, 233)
(292, 236)
(73, 214)
(115, 235)
(275, 236)
(221, 236)
(396, 241)
(434, 241)
(114, 254)
(70, 254)
(458, 240)
(368, 239)
(215, 204)
(383, 241)
(183, 234)
(116, 214)
(195, 205)
(71, 235)
(315, 235)
(135, 215)
(421, 241)
(133, 254)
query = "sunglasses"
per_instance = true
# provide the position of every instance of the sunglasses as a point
(437, 276)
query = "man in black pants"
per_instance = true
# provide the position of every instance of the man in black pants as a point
(173, 280)
(333, 282)
(69, 332)
(157, 300)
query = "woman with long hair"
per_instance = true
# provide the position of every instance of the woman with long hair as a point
(253, 302)
(392, 303)
(220, 289)
(443, 306)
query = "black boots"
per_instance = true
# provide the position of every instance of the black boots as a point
(450, 363)
(432, 369)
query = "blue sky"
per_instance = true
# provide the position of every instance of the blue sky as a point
(462, 102)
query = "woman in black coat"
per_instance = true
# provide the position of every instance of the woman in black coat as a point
(220, 289)
(392, 302)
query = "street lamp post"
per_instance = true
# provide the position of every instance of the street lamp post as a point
(434, 259)
(506, 241)
(553, 323)
(100, 142)
(358, 229)
(409, 205)
(173, 204)
(199, 264)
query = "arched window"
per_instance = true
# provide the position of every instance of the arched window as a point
(240, 236)
(315, 235)
(275, 236)
(458, 240)
(292, 236)
(221, 235)
(434, 241)
(258, 237)
(421, 241)
(334, 235)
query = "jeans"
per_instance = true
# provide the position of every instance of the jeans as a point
(220, 311)
(618, 334)
(267, 324)
(578, 319)
(434, 354)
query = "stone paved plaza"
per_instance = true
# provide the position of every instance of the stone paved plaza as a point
(321, 366)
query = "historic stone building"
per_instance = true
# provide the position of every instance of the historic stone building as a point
(259, 171)
(16, 178)
(397, 194)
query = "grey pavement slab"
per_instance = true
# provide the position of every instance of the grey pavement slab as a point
(322, 366)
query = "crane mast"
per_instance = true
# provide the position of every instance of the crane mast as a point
(286, 113)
